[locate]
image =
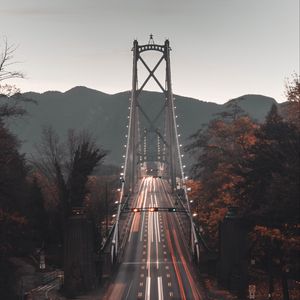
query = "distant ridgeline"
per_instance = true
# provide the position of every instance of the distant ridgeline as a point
(105, 116)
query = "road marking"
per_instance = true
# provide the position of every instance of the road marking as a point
(171, 294)
(143, 223)
(176, 269)
(148, 290)
(167, 267)
(152, 221)
(149, 244)
(141, 283)
(160, 288)
(142, 275)
(187, 271)
(156, 220)
(140, 295)
(128, 291)
(131, 228)
(169, 284)
(157, 237)
(168, 275)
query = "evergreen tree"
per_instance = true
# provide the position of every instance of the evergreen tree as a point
(37, 215)
(219, 149)
(271, 172)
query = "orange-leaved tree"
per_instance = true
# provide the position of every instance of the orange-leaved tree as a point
(219, 149)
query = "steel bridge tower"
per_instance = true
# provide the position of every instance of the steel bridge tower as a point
(167, 136)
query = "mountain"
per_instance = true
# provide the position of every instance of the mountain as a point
(105, 116)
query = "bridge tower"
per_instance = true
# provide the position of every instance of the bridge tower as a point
(167, 135)
(162, 125)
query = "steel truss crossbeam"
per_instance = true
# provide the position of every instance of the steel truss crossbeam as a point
(154, 209)
(151, 74)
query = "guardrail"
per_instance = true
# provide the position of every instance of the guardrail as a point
(50, 276)
(198, 233)
(202, 240)
(106, 242)
(51, 281)
(107, 239)
(125, 203)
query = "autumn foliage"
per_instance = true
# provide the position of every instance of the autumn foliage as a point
(219, 149)
(255, 167)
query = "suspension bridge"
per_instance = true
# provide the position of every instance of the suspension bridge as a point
(153, 242)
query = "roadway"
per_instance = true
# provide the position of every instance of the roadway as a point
(156, 263)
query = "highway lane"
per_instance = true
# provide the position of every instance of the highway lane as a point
(156, 263)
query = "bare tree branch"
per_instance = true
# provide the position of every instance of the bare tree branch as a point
(11, 99)
(6, 61)
(68, 165)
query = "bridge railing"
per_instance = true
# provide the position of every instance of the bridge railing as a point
(124, 226)
(200, 239)
(108, 238)
(114, 236)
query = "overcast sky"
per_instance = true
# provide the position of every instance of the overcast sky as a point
(221, 49)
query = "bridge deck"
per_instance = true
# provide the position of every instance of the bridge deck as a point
(156, 263)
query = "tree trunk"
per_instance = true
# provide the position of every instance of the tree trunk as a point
(270, 271)
(285, 288)
(79, 257)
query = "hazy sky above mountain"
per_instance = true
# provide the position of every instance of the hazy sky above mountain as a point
(221, 49)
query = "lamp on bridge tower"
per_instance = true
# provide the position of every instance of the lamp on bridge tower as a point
(151, 40)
